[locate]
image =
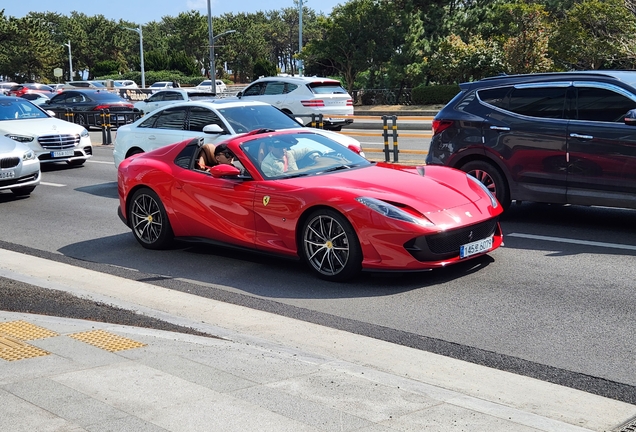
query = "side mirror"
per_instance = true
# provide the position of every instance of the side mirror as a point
(213, 129)
(239, 94)
(224, 170)
(630, 118)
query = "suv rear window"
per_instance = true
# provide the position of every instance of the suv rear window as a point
(327, 88)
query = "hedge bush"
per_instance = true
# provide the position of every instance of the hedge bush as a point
(434, 94)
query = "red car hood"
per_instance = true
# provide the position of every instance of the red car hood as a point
(441, 193)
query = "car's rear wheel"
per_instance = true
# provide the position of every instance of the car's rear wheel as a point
(133, 151)
(490, 176)
(149, 220)
(330, 246)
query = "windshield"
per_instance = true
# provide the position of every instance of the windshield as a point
(251, 117)
(300, 154)
(20, 110)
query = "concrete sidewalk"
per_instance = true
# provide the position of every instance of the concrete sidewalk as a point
(257, 372)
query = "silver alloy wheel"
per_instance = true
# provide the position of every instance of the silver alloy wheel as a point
(147, 222)
(326, 245)
(486, 179)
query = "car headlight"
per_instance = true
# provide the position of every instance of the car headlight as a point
(20, 138)
(84, 133)
(392, 211)
(28, 155)
(493, 200)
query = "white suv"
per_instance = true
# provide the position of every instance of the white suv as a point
(303, 97)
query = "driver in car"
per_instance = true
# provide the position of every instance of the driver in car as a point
(281, 158)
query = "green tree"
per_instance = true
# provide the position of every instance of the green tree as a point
(28, 51)
(354, 39)
(595, 34)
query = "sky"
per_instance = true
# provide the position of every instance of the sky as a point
(144, 11)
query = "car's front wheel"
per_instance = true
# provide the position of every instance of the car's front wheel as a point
(149, 220)
(330, 246)
(490, 176)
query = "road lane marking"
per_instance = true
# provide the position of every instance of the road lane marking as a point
(52, 184)
(101, 162)
(572, 241)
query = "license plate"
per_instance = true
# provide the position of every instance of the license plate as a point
(121, 118)
(62, 153)
(476, 247)
(7, 174)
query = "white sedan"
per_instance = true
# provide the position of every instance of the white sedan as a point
(214, 120)
(52, 139)
(20, 168)
(206, 85)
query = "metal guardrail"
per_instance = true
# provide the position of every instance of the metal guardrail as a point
(96, 118)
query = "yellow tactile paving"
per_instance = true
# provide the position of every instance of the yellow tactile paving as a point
(25, 331)
(12, 348)
(105, 340)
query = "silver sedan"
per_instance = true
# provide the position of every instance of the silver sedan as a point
(19, 167)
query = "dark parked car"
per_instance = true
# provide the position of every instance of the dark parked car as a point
(566, 138)
(87, 105)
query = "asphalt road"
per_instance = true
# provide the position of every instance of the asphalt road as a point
(555, 303)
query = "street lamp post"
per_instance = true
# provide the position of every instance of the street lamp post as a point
(300, 36)
(211, 39)
(70, 61)
(141, 53)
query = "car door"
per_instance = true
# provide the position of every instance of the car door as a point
(153, 102)
(63, 102)
(601, 147)
(160, 129)
(271, 92)
(527, 136)
(220, 209)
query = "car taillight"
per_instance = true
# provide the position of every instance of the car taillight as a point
(441, 125)
(349, 102)
(313, 103)
(103, 107)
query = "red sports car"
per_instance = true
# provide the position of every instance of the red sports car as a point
(302, 195)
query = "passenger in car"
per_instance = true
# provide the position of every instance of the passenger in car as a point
(206, 157)
(223, 155)
(281, 158)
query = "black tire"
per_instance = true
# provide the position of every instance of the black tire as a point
(148, 220)
(23, 191)
(134, 151)
(330, 246)
(490, 176)
(76, 162)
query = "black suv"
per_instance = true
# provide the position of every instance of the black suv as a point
(567, 138)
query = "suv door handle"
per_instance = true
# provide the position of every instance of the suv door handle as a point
(499, 128)
(585, 137)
